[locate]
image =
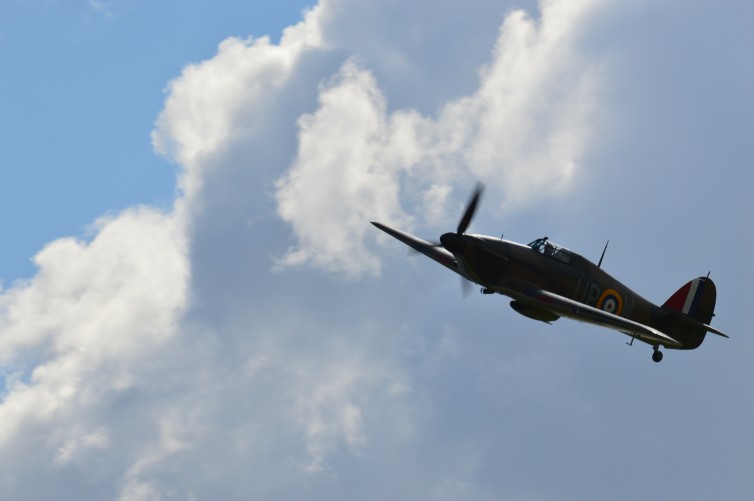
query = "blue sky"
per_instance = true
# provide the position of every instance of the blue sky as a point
(82, 88)
(210, 315)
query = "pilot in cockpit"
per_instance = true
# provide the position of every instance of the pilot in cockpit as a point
(540, 244)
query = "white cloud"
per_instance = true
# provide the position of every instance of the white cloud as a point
(523, 131)
(165, 359)
(131, 277)
(227, 97)
(81, 335)
(128, 367)
(347, 172)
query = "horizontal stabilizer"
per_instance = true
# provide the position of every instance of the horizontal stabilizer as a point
(711, 329)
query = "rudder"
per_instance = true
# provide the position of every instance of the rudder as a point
(696, 299)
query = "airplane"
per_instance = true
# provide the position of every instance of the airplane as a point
(546, 281)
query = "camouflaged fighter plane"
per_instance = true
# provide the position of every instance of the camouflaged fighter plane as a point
(547, 282)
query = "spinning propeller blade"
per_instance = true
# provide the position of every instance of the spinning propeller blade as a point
(453, 242)
(466, 287)
(470, 209)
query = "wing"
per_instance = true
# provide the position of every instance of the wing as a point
(435, 252)
(569, 308)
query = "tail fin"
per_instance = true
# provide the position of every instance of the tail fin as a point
(696, 299)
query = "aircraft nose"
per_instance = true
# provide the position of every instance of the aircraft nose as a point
(453, 242)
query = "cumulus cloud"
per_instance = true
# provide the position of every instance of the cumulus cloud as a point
(141, 365)
(201, 353)
(523, 131)
(79, 337)
(207, 107)
(350, 157)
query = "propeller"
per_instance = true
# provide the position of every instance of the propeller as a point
(466, 287)
(455, 242)
(463, 224)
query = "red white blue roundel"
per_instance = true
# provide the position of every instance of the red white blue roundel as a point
(611, 302)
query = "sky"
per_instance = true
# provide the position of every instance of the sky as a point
(195, 306)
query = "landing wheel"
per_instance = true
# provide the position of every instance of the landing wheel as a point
(657, 355)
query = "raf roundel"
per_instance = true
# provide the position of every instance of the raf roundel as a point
(611, 302)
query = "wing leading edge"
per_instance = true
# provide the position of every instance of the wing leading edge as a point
(434, 252)
(569, 308)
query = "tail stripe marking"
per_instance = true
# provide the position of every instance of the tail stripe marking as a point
(698, 297)
(690, 297)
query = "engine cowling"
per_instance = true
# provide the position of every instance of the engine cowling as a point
(532, 312)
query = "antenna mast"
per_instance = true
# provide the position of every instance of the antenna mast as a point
(599, 265)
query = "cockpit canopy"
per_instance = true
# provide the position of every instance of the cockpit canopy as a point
(544, 246)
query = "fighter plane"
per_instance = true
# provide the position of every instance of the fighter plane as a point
(546, 281)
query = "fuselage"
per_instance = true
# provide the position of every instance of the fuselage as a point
(495, 263)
